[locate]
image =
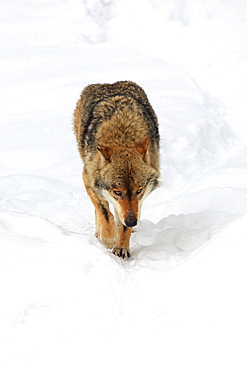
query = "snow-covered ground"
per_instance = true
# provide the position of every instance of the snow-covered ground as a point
(180, 301)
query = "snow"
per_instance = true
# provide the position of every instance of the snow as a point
(179, 301)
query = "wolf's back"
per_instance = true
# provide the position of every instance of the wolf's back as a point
(88, 115)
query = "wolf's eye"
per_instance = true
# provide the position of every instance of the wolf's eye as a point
(117, 192)
(139, 191)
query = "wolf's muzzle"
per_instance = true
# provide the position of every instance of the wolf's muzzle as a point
(131, 221)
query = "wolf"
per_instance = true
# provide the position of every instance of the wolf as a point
(117, 133)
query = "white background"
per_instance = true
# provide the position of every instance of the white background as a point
(180, 301)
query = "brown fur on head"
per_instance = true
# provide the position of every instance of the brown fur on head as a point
(126, 180)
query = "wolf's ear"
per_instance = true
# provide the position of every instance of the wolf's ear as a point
(143, 146)
(105, 151)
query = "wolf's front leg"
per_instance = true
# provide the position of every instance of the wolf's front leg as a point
(123, 241)
(105, 225)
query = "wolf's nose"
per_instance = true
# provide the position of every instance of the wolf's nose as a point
(131, 221)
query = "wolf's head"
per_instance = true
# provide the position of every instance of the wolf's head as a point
(126, 180)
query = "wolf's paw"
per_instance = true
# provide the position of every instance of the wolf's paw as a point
(121, 252)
